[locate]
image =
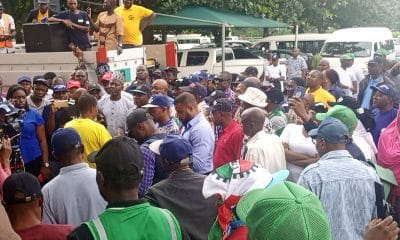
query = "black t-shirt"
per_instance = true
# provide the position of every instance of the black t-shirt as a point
(76, 36)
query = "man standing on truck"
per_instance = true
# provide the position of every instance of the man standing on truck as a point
(110, 27)
(296, 65)
(77, 22)
(41, 14)
(136, 19)
(7, 31)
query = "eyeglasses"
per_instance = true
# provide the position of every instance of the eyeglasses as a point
(315, 140)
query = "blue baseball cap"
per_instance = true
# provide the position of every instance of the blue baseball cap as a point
(332, 130)
(196, 88)
(24, 79)
(386, 90)
(64, 140)
(59, 88)
(199, 75)
(173, 148)
(157, 100)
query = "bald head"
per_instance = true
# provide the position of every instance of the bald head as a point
(253, 120)
(323, 65)
(160, 86)
(78, 93)
(308, 100)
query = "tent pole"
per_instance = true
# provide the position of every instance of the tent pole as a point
(223, 47)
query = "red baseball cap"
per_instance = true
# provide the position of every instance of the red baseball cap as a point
(73, 83)
(107, 76)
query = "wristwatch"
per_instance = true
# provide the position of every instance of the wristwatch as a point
(46, 164)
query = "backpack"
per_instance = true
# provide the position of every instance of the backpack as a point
(160, 173)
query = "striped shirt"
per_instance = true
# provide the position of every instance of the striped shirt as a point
(346, 189)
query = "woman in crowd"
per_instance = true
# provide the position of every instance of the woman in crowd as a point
(332, 84)
(33, 143)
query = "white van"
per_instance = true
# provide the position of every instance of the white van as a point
(363, 42)
(306, 42)
(188, 41)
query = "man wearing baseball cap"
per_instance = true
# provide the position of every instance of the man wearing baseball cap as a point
(159, 109)
(200, 93)
(230, 138)
(345, 186)
(346, 74)
(52, 113)
(76, 183)
(23, 203)
(41, 14)
(181, 193)
(36, 100)
(277, 119)
(26, 83)
(141, 95)
(120, 170)
(384, 112)
(283, 211)
(250, 71)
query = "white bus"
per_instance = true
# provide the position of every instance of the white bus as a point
(306, 42)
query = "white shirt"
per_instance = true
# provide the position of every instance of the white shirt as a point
(6, 30)
(277, 71)
(365, 142)
(294, 137)
(358, 76)
(115, 113)
(267, 150)
(346, 78)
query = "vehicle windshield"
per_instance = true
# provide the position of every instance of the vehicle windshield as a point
(337, 49)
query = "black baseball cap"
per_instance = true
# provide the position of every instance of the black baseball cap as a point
(21, 188)
(275, 96)
(217, 94)
(119, 158)
(250, 70)
(94, 87)
(40, 80)
(142, 89)
(137, 116)
(222, 104)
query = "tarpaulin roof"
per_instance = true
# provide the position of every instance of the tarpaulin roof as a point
(209, 17)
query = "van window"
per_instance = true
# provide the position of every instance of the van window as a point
(337, 49)
(304, 46)
(241, 53)
(388, 45)
(228, 55)
(197, 58)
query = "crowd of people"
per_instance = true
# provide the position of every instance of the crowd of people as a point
(294, 152)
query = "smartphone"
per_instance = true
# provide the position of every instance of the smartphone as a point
(60, 103)
(299, 92)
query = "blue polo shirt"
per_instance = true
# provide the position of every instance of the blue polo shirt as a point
(382, 120)
(366, 101)
(76, 36)
(29, 144)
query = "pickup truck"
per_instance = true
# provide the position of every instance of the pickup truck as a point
(210, 59)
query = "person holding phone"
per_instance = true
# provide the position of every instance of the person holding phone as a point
(314, 87)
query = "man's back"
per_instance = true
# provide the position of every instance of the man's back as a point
(346, 189)
(266, 150)
(72, 197)
(93, 135)
(46, 232)
(182, 195)
(136, 220)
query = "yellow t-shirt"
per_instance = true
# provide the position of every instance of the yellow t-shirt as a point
(93, 135)
(321, 95)
(132, 18)
(41, 16)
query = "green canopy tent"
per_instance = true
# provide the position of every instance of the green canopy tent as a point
(198, 17)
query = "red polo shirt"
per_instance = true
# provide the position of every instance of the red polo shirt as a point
(228, 145)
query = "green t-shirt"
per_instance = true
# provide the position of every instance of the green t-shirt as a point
(141, 221)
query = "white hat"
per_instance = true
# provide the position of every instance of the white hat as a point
(255, 97)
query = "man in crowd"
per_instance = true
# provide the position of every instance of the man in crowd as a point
(250, 71)
(275, 73)
(23, 203)
(384, 112)
(142, 128)
(72, 86)
(136, 19)
(82, 77)
(7, 31)
(95, 90)
(110, 27)
(142, 75)
(72, 197)
(224, 81)
(26, 83)
(230, 138)
(200, 93)
(277, 119)
(296, 65)
(323, 65)
(119, 173)
(115, 107)
(141, 95)
(37, 99)
(345, 73)
(181, 193)
(77, 22)
(375, 77)
(93, 134)
(253, 97)
(52, 113)
(197, 130)
(41, 14)
(343, 183)
(171, 74)
(261, 147)
(293, 84)
(314, 87)
(159, 109)
(160, 86)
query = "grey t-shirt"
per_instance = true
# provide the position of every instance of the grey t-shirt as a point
(181, 193)
(72, 197)
(295, 66)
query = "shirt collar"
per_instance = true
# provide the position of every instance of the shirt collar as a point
(337, 154)
(194, 121)
(125, 204)
(74, 167)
